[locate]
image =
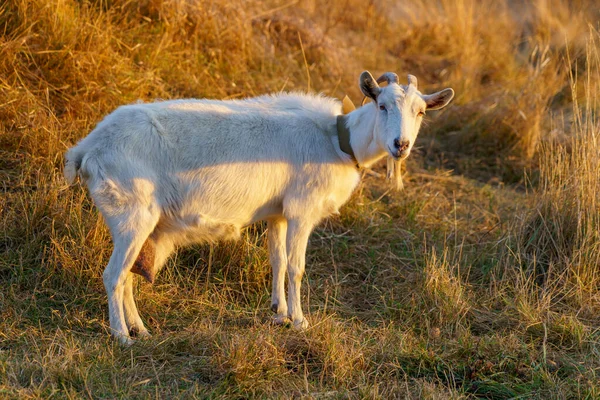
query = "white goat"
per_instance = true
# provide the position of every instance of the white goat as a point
(171, 173)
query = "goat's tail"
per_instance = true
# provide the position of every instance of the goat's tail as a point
(73, 159)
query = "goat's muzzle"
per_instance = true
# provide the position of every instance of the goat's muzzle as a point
(401, 147)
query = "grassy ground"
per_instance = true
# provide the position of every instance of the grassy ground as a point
(481, 279)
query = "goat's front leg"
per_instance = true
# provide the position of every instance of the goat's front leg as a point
(276, 232)
(298, 232)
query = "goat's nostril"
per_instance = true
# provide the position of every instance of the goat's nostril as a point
(401, 145)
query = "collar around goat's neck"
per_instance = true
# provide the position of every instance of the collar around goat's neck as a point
(343, 134)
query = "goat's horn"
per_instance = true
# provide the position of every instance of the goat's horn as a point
(388, 77)
(412, 80)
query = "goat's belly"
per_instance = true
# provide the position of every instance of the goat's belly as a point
(193, 227)
(197, 228)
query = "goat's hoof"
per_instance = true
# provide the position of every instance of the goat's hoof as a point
(144, 334)
(301, 325)
(125, 341)
(281, 320)
(139, 333)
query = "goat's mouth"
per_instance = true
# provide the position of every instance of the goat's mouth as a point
(398, 154)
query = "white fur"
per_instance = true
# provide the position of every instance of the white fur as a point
(188, 171)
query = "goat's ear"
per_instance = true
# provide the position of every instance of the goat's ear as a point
(438, 100)
(368, 85)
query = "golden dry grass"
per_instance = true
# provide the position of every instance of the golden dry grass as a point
(479, 280)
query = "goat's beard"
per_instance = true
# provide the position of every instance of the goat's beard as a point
(394, 173)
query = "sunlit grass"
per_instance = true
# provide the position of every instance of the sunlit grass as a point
(480, 279)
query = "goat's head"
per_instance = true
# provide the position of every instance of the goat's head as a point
(399, 110)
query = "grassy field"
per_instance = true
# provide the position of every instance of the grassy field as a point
(480, 280)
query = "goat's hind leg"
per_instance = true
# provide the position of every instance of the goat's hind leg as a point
(134, 322)
(129, 231)
(152, 256)
(144, 266)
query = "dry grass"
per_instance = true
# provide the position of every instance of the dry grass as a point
(479, 280)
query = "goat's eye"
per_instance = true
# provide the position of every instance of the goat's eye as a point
(421, 113)
(382, 107)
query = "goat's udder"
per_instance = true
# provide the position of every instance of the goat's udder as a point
(144, 264)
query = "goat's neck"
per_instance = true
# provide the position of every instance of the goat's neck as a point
(361, 123)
